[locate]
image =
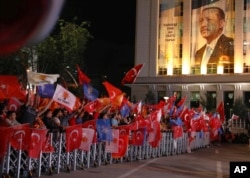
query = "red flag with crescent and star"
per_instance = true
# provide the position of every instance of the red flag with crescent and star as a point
(38, 138)
(113, 92)
(73, 137)
(122, 148)
(138, 137)
(21, 137)
(6, 134)
(132, 74)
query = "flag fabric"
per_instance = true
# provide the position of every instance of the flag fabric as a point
(154, 136)
(104, 131)
(122, 147)
(182, 101)
(177, 131)
(37, 79)
(46, 90)
(10, 87)
(38, 138)
(73, 137)
(6, 134)
(47, 146)
(92, 106)
(89, 92)
(64, 97)
(113, 92)
(235, 117)
(220, 110)
(138, 137)
(21, 137)
(82, 78)
(132, 74)
(91, 124)
(87, 138)
(14, 104)
(113, 146)
(125, 110)
(124, 129)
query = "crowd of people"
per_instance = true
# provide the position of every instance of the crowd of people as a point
(59, 118)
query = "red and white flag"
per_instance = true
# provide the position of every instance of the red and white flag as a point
(38, 138)
(87, 138)
(73, 137)
(113, 92)
(64, 97)
(123, 146)
(14, 104)
(21, 137)
(235, 117)
(132, 74)
(6, 134)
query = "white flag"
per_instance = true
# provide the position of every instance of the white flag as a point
(35, 78)
(64, 97)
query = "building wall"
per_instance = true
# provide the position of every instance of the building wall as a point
(147, 26)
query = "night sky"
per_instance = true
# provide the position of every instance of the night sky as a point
(111, 52)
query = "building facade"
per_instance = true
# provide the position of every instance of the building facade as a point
(169, 36)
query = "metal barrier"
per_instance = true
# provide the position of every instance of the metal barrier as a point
(18, 164)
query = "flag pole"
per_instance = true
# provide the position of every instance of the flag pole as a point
(72, 77)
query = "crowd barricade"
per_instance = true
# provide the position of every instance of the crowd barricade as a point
(18, 164)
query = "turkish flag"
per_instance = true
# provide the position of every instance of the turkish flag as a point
(177, 131)
(47, 145)
(10, 87)
(6, 134)
(83, 79)
(132, 74)
(220, 110)
(21, 137)
(38, 138)
(155, 135)
(122, 148)
(14, 104)
(92, 106)
(138, 137)
(113, 92)
(73, 137)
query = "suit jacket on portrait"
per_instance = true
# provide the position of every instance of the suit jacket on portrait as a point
(223, 49)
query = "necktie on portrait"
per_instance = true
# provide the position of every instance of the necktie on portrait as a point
(205, 60)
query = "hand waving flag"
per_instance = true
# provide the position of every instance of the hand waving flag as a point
(132, 74)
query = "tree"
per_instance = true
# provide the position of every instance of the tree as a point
(64, 48)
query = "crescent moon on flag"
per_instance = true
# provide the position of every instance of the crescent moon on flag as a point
(33, 138)
(185, 117)
(72, 136)
(121, 142)
(133, 72)
(112, 95)
(123, 131)
(13, 106)
(138, 135)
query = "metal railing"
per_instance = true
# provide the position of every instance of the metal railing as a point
(17, 163)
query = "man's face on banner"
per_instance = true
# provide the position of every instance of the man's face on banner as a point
(211, 25)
